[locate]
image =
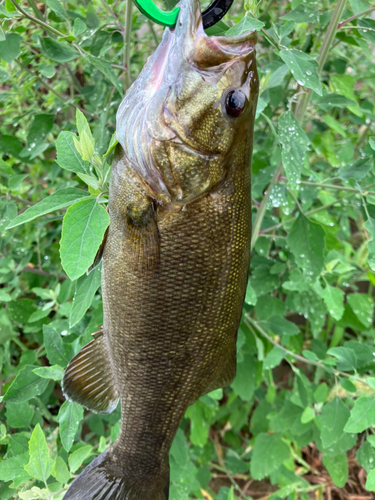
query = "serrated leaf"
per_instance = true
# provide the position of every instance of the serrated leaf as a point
(304, 68)
(12, 469)
(54, 372)
(106, 69)
(246, 24)
(84, 294)
(57, 51)
(294, 142)
(268, 454)
(76, 459)
(57, 8)
(363, 307)
(83, 229)
(306, 241)
(337, 467)
(40, 464)
(34, 493)
(333, 417)
(25, 386)
(60, 199)
(362, 415)
(334, 300)
(67, 155)
(82, 125)
(69, 418)
(347, 360)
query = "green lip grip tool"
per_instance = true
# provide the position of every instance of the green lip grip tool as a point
(210, 16)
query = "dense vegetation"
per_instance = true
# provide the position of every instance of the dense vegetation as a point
(297, 421)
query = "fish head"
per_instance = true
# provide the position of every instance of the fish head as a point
(193, 103)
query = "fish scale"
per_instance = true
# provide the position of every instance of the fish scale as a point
(176, 255)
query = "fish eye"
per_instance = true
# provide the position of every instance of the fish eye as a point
(235, 102)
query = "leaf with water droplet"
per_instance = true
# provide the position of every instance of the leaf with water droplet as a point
(294, 143)
(304, 68)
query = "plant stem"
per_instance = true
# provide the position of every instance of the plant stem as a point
(360, 14)
(35, 9)
(21, 200)
(127, 37)
(322, 57)
(37, 21)
(330, 186)
(250, 322)
(310, 212)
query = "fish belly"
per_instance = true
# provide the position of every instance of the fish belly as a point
(171, 327)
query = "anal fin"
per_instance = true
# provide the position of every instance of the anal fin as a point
(88, 379)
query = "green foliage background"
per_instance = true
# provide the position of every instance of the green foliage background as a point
(305, 381)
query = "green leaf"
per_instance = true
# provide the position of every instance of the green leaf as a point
(363, 307)
(281, 326)
(306, 241)
(244, 383)
(58, 352)
(370, 482)
(83, 229)
(274, 358)
(347, 360)
(67, 155)
(25, 386)
(246, 24)
(57, 51)
(357, 171)
(84, 294)
(57, 8)
(334, 300)
(54, 372)
(10, 47)
(60, 471)
(304, 68)
(76, 459)
(12, 469)
(106, 69)
(302, 14)
(370, 227)
(337, 467)
(59, 199)
(294, 142)
(19, 415)
(82, 125)
(366, 456)
(35, 493)
(41, 464)
(250, 297)
(330, 101)
(87, 147)
(268, 454)
(333, 417)
(371, 141)
(69, 418)
(358, 6)
(334, 125)
(79, 27)
(362, 415)
(40, 128)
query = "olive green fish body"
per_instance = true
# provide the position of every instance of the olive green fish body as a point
(176, 257)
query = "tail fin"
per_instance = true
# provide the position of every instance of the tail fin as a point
(104, 479)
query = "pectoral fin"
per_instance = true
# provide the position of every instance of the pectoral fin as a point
(88, 379)
(143, 240)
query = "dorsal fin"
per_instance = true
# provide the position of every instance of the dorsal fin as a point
(88, 379)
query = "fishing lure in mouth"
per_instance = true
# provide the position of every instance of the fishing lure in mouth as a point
(214, 12)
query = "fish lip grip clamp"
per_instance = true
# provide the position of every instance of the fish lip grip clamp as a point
(216, 10)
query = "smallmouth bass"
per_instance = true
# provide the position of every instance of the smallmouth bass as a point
(177, 254)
